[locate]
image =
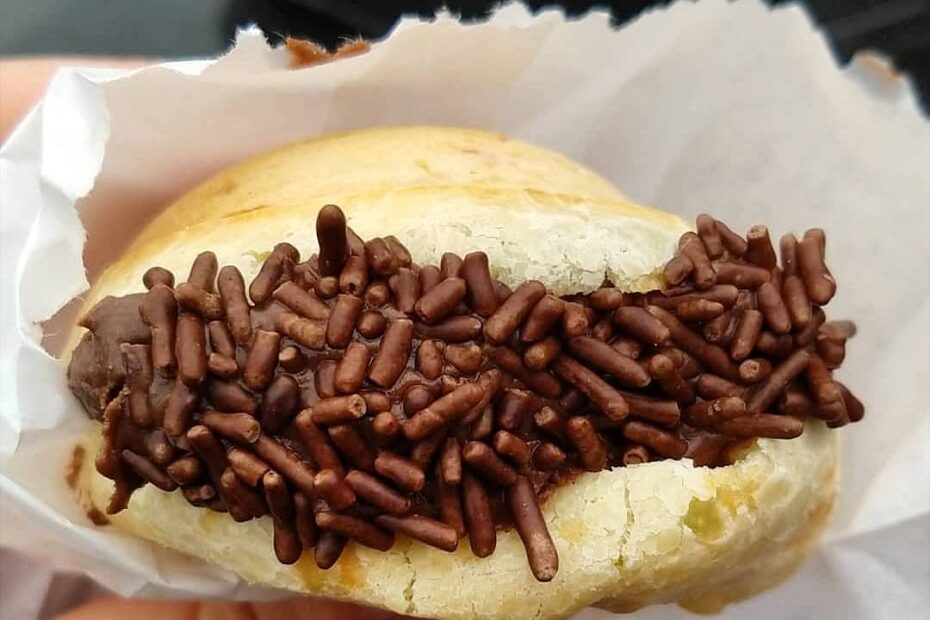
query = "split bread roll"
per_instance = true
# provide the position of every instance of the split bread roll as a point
(665, 531)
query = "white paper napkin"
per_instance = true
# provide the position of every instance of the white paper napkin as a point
(721, 107)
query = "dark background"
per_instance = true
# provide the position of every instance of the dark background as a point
(183, 28)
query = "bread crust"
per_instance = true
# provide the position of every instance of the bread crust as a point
(659, 532)
(377, 159)
(655, 533)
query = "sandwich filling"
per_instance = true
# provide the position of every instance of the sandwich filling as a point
(357, 395)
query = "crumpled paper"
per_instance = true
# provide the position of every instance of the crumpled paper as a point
(720, 107)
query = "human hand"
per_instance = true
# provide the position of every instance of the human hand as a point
(25, 79)
(116, 608)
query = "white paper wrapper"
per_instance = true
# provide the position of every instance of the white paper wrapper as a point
(727, 108)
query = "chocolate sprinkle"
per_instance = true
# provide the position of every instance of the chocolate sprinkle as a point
(360, 395)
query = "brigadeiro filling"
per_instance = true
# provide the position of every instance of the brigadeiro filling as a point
(357, 394)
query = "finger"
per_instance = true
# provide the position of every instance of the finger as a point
(115, 608)
(319, 609)
(25, 80)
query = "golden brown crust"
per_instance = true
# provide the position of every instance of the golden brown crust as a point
(372, 160)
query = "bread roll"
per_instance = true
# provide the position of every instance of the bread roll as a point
(659, 532)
